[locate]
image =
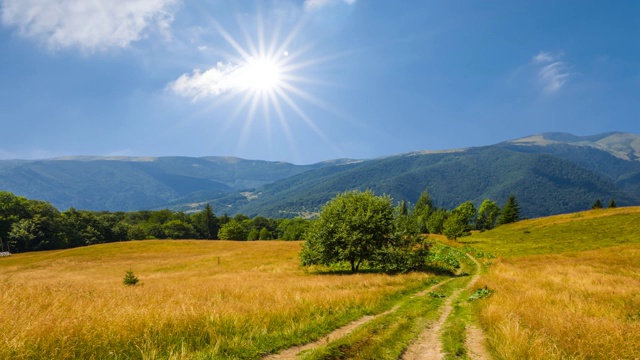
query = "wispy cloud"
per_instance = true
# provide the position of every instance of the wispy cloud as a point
(544, 57)
(88, 25)
(311, 5)
(553, 73)
(212, 82)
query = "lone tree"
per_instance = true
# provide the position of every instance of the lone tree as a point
(510, 211)
(597, 204)
(130, 279)
(612, 204)
(353, 227)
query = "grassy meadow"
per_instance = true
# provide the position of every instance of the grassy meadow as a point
(565, 287)
(72, 303)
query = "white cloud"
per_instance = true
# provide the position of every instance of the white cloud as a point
(311, 5)
(544, 57)
(554, 76)
(88, 25)
(213, 82)
(553, 73)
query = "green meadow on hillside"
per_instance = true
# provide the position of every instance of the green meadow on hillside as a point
(574, 232)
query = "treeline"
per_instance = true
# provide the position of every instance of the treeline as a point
(32, 225)
(464, 218)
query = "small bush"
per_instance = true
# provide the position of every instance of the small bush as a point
(481, 293)
(130, 279)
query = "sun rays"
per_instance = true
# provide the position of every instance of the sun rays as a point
(264, 77)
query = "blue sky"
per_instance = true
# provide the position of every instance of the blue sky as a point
(332, 78)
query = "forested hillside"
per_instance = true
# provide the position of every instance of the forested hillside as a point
(549, 173)
(544, 184)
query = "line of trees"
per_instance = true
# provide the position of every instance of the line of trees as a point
(460, 221)
(32, 225)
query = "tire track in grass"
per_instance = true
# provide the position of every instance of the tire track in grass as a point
(476, 344)
(291, 353)
(428, 345)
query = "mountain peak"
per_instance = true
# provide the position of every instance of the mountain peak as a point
(622, 145)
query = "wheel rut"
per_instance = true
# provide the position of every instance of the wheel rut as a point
(291, 353)
(428, 345)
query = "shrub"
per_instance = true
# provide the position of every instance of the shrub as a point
(130, 279)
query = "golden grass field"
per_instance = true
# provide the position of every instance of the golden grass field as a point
(72, 303)
(566, 287)
(568, 306)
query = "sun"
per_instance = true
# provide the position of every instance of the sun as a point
(261, 74)
(268, 79)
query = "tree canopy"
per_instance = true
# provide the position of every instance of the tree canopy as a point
(359, 227)
(352, 227)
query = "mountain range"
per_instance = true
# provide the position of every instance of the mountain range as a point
(549, 173)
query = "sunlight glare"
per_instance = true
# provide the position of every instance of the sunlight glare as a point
(261, 74)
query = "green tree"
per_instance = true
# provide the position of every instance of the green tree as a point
(351, 228)
(455, 226)
(233, 230)
(435, 222)
(468, 214)
(510, 211)
(487, 215)
(402, 208)
(206, 223)
(23, 233)
(612, 204)
(405, 250)
(253, 235)
(178, 229)
(83, 228)
(293, 229)
(136, 232)
(423, 210)
(265, 234)
(597, 204)
(130, 278)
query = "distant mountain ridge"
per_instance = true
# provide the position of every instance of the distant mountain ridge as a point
(621, 145)
(550, 173)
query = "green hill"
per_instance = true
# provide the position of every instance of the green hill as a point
(549, 173)
(572, 232)
(544, 184)
(114, 184)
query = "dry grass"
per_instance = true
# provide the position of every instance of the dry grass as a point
(72, 303)
(570, 306)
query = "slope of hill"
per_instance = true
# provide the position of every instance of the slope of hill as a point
(122, 183)
(567, 287)
(544, 184)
